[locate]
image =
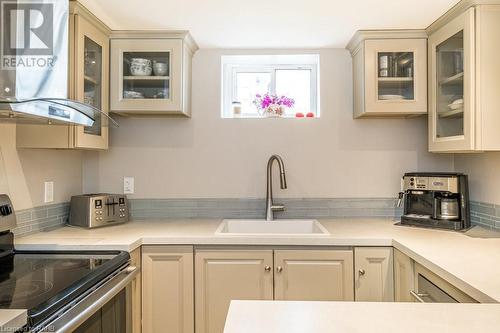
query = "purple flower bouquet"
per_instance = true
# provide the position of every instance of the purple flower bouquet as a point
(272, 105)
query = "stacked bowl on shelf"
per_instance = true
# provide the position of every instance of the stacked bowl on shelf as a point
(146, 67)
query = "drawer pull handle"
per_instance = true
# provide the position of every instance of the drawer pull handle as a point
(418, 296)
(279, 269)
(267, 268)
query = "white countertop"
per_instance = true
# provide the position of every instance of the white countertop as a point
(12, 320)
(360, 317)
(471, 264)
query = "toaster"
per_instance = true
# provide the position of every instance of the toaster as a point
(98, 210)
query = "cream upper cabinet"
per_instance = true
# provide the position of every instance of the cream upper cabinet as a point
(223, 275)
(389, 73)
(464, 71)
(167, 289)
(373, 274)
(403, 277)
(315, 275)
(151, 73)
(88, 83)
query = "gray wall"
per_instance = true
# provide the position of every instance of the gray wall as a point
(484, 175)
(24, 171)
(209, 157)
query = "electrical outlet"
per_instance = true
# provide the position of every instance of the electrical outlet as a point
(128, 185)
(49, 192)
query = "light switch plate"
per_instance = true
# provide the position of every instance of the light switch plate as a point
(49, 192)
(128, 185)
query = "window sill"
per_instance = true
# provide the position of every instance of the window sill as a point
(260, 117)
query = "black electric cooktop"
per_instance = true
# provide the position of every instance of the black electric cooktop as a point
(44, 281)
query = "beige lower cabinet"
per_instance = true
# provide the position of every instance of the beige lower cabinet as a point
(225, 274)
(403, 277)
(167, 286)
(313, 275)
(374, 277)
(222, 275)
(135, 260)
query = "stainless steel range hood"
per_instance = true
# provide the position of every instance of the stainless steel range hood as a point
(34, 66)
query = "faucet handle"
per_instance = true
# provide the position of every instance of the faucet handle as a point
(278, 207)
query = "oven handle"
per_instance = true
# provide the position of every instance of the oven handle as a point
(418, 296)
(84, 309)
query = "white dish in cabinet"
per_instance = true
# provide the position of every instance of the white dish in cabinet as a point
(150, 94)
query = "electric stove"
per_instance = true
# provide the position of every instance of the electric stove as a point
(46, 283)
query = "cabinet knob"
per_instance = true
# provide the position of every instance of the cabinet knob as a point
(361, 272)
(279, 269)
(267, 268)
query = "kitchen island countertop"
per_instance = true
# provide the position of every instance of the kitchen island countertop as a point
(12, 320)
(360, 317)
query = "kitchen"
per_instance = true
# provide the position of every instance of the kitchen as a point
(183, 141)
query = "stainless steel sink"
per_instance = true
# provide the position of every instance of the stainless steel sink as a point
(271, 228)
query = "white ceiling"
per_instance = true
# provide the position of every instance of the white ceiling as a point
(269, 23)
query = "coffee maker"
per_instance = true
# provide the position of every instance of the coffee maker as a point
(435, 200)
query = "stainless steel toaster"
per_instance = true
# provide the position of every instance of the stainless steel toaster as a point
(98, 210)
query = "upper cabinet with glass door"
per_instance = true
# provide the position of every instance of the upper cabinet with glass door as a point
(151, 73)
(91, 81)
(88, 83)
(464, 80)
(390, 73)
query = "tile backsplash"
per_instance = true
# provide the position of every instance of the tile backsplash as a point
(485, 214)
(41, 218)
(255, 208)
(52, 216)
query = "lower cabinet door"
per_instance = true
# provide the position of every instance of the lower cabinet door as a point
(374, 277)
(136, 304)
(403, 277)
(315, 275)
(225, 275)
(167, 285)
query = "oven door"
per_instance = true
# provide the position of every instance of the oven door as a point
(105, 309)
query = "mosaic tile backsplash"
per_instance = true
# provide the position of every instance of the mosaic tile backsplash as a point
(485, 214)
(255, 208)
(41, 218)
(52, 216)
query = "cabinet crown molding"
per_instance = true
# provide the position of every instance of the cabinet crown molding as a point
(157, 34)
(362, 35)
(76, 8)
(456, 10)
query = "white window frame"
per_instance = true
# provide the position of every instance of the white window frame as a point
(232, 65)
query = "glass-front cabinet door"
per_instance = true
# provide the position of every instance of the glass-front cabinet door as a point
(146, 75)
(91, 84)
(395, 76)
(451, 102)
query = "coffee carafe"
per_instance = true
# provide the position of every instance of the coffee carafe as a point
(437, 200)
(446, 208)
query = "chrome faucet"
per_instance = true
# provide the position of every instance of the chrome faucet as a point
(270, 206)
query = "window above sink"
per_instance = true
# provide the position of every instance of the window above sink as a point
(246, 77)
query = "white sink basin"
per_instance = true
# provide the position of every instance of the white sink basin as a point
(271, 228)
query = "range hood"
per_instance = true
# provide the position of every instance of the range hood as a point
(34, 68)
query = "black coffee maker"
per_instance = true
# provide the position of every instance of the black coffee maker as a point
(435, 200)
